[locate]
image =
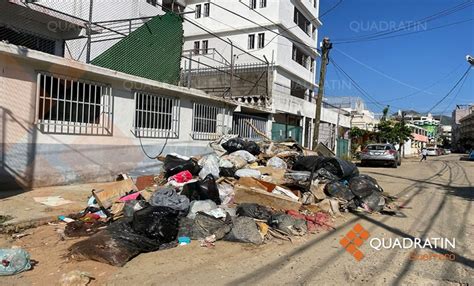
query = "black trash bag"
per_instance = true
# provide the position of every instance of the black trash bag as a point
(325, 176)
(234, 144)
(168, 197)
(254, 211)
(206, 225)
(227, 172)
(338, 190)
(362, 186)
(252, 148)
(115, 245)
(244, 229)
(205, 189)
(237, 144)
(288, 224)
(308, 163)
(341, 168)
(373, 202)
(132, 206)
(158, 223)
(173, 165)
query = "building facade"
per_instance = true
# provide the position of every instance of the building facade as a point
(459, 112)
(271, 48)
(466, 130)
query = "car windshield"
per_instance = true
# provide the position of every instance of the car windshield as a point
(431, 149)
(378, 147)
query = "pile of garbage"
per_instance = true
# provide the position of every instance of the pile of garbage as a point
(244, 192)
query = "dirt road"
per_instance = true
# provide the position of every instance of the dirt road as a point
(437, 198)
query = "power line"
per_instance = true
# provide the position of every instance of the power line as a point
(451, 90)
(454, 97)
(435, 16)
(328, 10)
(357, 86)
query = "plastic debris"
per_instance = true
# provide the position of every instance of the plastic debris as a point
(200, 206)
(276, 162)
(248, 173)
(210, 165)
(13, 261)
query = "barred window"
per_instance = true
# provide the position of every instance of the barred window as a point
(263, 3)
(208, 121)
(206, 10)
(197, 11)
(156, 116)
(251, 42)
(73, 106)
(261, 40)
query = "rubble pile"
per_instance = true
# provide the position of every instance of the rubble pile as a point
(244, 192)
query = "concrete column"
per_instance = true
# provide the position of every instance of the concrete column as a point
(304, 131)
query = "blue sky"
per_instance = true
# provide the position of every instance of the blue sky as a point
(398, 70)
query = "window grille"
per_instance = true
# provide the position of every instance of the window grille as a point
(205, 47)
(208, 122)
(73, 106)
(196, 48)
(263, 3)
(251, 42)
(241, 127)
(261, 40)
(206, 10)
(253, 4)
(156, 116)
(198, 11)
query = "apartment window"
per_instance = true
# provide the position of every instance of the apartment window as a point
(20, 38)
(297, 90)
(263, 3)
(197, 11)
(205, 47)
(152, 2)
(208, 121)
(156, 116)
(302, 22)
(206, 10)
(196, 48)
(253, 4)
(251, 42)
(261, 40)
(71, 106)
(300, 57)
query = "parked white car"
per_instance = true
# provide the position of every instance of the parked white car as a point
(432, 151)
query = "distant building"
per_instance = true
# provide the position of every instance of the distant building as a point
(459, 112)
(361, 116)
(467, 129)
(429, 123)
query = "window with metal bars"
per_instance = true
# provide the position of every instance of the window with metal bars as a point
(208, 121)
(156, 116)
(207, 10)
(261, 40)
(197, 11)
(73, 106)
(251, 42)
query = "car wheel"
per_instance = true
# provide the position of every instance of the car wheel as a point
(399, 162)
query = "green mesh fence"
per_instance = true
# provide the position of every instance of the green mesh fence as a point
(152, 51)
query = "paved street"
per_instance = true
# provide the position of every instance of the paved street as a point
(437, 198)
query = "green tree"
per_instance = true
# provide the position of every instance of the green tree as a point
(390, 131)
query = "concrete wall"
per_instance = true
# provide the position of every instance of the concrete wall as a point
(31, 158)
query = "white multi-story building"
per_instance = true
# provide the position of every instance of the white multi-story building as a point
(245, 33)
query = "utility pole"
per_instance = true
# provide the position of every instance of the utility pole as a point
(326, 45)
(89, 33)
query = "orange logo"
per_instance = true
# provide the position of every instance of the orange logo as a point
(353, 239)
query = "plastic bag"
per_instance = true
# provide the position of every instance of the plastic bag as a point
(288, 224)
(79, 228)
(210, 165)
(308, 163)
(338, 190)
(248, 173)
(324, 175)
(234, 144)
(254, 211)
(173, 165)
(276, 162)
(227, 172)
(373, 203)
(167, 197)
(115, 245)
(249, 158)
(299, 176)
(244, 229)
(181, 177)
(200, 206)
(13, 261)
(159, 223)
(226, 193)
(225, 163)
(202, 190)
(237, 162)
(341, 168)
(237, 144)
(362, 186)
(206, 225)
(132, 206)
